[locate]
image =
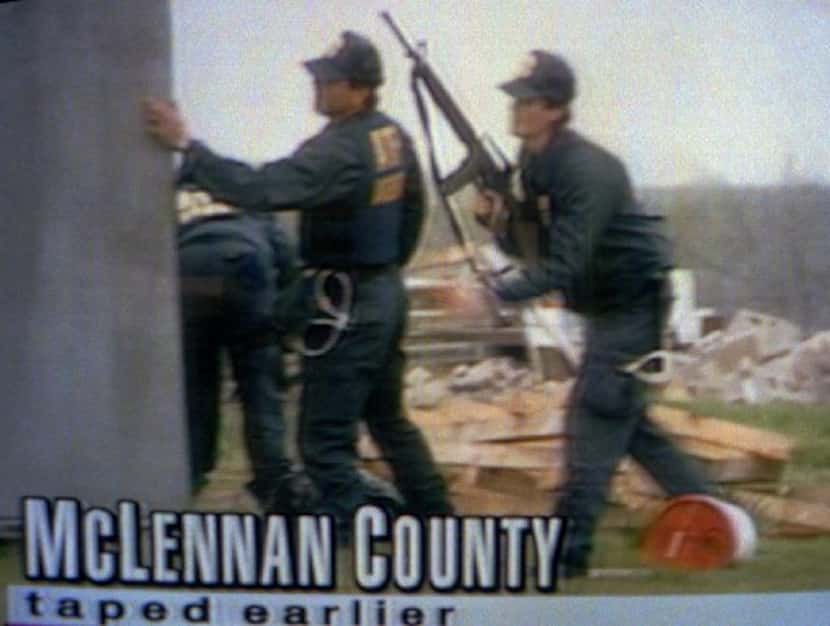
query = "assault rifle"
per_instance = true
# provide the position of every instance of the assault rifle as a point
(484, 165)
(480, 165)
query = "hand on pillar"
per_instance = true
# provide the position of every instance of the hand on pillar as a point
(164, 122)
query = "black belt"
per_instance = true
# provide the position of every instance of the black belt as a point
(355, 271)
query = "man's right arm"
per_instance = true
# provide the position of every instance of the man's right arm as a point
(490, 212)
(584, 192)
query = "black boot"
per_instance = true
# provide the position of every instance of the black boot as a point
(294, 494)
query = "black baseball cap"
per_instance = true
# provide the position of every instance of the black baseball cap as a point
(353, 58)
(545, 75)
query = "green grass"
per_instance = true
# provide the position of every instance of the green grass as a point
(781, 564)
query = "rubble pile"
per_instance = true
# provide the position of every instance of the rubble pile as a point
(496, 423)
(497, 430)
(753, 358)
(756, 359)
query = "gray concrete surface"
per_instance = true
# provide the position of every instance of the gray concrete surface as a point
(90, 361)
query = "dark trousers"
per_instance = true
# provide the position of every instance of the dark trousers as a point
(228, 296)
(608, 419)
(360, 379)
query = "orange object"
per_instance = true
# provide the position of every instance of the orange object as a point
(697, 532)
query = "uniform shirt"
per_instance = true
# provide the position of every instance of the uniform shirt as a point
(597, 246)
(258, 231)
(356, 183)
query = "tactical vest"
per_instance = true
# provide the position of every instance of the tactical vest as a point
(364, 228)
(530, 223)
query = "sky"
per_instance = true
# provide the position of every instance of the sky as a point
(684, 92)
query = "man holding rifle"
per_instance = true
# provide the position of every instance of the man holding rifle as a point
(358, 189)
(600, 255)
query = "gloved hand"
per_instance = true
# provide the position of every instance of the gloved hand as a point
(490, 211)
(508, 284)
(513, 285)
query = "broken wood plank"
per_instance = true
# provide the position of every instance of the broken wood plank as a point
(530, 402)
(518, 482)
(541, 455)
(458, 409)
(643, 505)
(785, 510)
(520, 456)
(477, 501)
(521, 429)
(728, 465)
(431, 259)
(762, 442)
(444, 326)
(792, 530)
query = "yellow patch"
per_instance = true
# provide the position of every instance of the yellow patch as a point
(388, 188)
(387, 147)
(191, 205)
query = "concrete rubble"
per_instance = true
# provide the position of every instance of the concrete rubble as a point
(757, 359)
(498, 434)
(496, 424)
(491, 400)
(497, 431)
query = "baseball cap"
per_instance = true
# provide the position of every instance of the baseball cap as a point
(353, 57)
(544, 75)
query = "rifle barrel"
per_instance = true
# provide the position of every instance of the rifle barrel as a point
(410, 51)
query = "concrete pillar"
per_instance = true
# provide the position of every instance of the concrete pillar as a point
(90, 382)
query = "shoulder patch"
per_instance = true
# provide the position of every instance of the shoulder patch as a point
(191, 205)
(387, 146)
(388, 188)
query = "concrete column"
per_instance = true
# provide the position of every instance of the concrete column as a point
(90, 368)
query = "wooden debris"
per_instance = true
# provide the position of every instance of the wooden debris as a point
(724, 464)
(518, 481)
(785, 510)
(761, 442)
(505, 455)
(528, 402)
(478, 501)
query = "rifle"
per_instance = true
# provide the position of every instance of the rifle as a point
(484, 164)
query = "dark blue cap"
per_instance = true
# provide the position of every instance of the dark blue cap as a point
(545, 75)
(353, 58)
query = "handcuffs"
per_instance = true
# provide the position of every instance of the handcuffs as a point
(336, 316)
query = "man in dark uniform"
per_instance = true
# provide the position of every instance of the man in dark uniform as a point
(600, 255)
(233, 267)
(358, 189)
